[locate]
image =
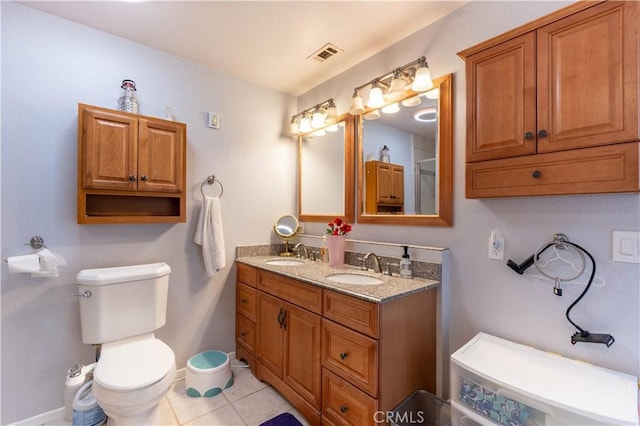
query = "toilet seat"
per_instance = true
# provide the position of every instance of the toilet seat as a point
(133, 364)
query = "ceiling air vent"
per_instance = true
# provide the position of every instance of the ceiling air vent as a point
(325, 52)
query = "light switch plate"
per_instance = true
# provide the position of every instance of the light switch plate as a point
(214, 120)
(626, 246)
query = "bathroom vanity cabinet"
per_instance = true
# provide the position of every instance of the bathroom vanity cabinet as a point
(131, 168)
(384, 192)
(336, 357)
(552, 106)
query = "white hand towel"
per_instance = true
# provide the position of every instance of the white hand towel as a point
(209, 235)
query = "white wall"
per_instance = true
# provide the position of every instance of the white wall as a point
(49, 65)
(485, 294)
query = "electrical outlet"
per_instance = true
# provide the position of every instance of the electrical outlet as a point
(496, 246)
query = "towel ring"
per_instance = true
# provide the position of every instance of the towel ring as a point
(561, 242)
(210, 180)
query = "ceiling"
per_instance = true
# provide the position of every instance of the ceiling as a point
(265, 42)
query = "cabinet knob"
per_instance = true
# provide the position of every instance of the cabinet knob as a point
(343, 408)
(243, 300)
(528, 136)
(343, 355)
(132, 178)
(244, 333)
(144, 178)
(536, 174)
(542, 134)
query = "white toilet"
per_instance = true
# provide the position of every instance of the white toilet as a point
(120, 309)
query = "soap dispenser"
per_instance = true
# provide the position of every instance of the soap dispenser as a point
(405, 263)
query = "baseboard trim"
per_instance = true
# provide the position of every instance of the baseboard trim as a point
(57, 415)
(49, 417)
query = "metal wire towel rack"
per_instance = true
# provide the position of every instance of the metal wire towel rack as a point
(210, 180)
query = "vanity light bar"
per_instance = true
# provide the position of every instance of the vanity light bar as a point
(416, 72)
(314, 118)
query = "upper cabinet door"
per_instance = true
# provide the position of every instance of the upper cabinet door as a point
(501, 97)
(161, 156)
(588, 78)
(110, 145)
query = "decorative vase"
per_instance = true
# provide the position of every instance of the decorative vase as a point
(335, 244)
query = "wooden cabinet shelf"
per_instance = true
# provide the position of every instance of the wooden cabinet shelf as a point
(131, 168)
(549, 95)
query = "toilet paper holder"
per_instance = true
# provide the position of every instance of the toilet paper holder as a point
(36, 242)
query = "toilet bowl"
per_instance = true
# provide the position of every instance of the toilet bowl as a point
(131, 378)
(120, 309)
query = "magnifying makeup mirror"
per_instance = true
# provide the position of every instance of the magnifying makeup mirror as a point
(287, 227)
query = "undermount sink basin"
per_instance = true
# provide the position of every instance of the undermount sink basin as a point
(351, 278)
(284, 262)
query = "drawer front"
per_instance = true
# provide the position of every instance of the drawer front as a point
(354, 313)
(247, 274)
(351, 355)
(612, 168)
(246, 332)
(304, 295)
(343, 404)
(246, 301)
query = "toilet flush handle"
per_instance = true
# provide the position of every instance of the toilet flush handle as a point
(87, 293)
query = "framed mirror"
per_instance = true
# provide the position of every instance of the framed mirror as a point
(326, 173)
(411, 181)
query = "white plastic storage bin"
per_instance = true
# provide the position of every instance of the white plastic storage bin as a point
(499, 382)
(208, 373)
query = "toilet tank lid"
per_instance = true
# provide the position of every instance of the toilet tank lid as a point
(118, 274)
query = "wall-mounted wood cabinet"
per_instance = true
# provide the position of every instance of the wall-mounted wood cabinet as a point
(546, 96)
(384, 190)
(131, 168)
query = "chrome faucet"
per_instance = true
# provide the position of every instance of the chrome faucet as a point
(305, 251)
(376, 262)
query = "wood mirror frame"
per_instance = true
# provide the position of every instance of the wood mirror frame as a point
(444, 198)
(348, 211)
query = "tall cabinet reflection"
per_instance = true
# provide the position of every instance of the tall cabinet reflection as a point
(407, 184)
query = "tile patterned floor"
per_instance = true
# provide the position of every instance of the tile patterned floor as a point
(248, 402)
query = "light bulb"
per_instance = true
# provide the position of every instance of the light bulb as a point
(375, 97)
(396, 90)
(391, 108)
(305, 124)
(422, 80)
(357, 105)
(411, 102)
(293, 128)
(332, 128)
(332, 114)
(433, 94)
(373, 115)
(317, 120)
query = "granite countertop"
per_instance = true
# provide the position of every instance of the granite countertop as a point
(315, 273)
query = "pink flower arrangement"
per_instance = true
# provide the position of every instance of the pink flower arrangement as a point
(338, 227)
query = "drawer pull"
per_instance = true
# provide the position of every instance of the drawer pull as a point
(243, 300)
(280, 317)
(343, 355)
(537, 174)
(528, 136)
(343, 408)
(542, 134)
(244, 333)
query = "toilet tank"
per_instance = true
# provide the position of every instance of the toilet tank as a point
(124, 301)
